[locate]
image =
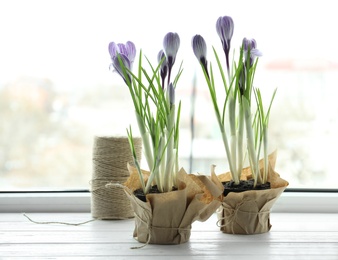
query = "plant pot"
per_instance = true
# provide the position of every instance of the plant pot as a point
(166, 218)
(248, 212)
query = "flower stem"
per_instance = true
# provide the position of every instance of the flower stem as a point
(251, 142)
(228, 64)
(233, 138)
(228, 152)
(137, 165)
(240, 140)
(266, 159)
(146, 142)
(170, 159)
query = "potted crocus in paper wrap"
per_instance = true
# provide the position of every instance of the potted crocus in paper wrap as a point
(165, 199)
(249, 193)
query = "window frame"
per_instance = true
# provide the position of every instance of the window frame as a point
(291, 201)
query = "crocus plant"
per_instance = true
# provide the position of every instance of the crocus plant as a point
(241, 113)
(153, 96)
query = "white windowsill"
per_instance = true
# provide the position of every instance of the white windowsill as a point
(295, 202)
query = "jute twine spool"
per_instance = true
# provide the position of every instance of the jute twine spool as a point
(110, 157)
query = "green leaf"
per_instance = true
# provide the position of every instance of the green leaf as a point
(221, 71)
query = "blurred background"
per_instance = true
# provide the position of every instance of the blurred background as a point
(57, 93)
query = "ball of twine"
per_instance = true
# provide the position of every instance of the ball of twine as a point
(110, 158)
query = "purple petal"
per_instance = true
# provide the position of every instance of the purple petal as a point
(199, 47)
(113, 49)
(117, 66)
(131, 50)
(225, 27)
(249, 42)
(256, 53)
(122, 49)
(171, 44)
(160, 56)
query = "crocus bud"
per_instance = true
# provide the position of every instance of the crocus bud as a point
(200, 50)
(164, 66)
(171, 93)
(242, 81)
(161, 56)
(225, 30)
(171, 44)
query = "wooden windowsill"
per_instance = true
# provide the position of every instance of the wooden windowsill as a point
(292, 236)
(67, 202)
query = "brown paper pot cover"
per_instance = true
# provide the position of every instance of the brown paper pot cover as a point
(248, 212)
(166, 218)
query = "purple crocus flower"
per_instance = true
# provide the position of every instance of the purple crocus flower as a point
(164, 66)
(200, 50)
(127, 49)
(171, 44)
(250, 45)
(127, 53)
(225, 30)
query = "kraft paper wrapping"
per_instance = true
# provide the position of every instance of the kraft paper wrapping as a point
(248, 212)
(166, 218)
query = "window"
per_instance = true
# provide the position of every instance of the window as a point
(57, 93)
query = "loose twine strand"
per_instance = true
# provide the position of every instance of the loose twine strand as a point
(110, 158)
(58, 222)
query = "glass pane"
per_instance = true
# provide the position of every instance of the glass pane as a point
(57, 93)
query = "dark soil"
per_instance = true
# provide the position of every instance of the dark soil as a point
(140, 194)
(230, 186)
